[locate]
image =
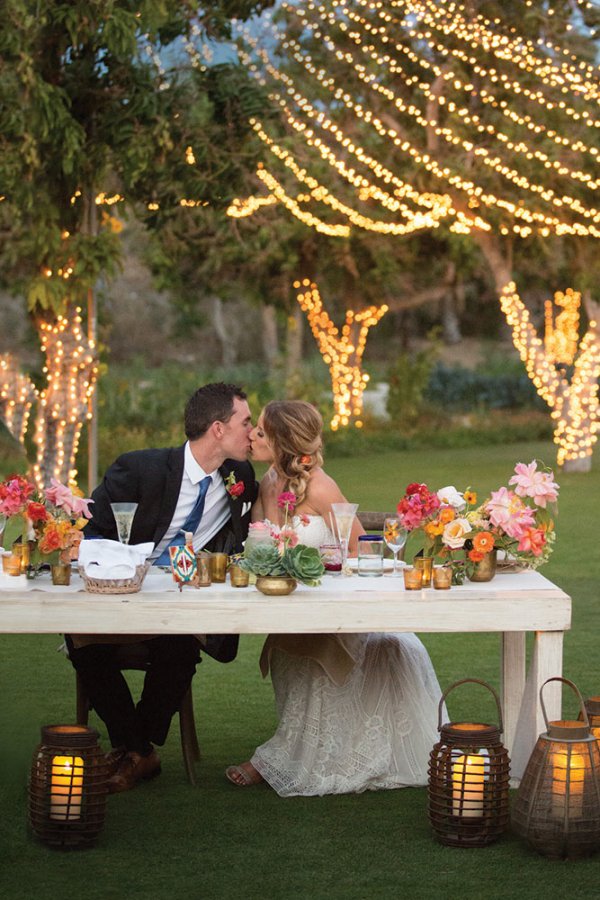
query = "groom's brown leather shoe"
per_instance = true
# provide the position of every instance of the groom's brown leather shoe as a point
(133, 768)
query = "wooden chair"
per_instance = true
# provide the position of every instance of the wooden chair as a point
(135, 656)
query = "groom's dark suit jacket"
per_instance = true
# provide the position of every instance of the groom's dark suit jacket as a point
(152, 479)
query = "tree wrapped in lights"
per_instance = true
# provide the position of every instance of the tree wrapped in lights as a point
(574, 401)
(91, 119)
(402, 116)
(17, 395)
(71, 371)
(342, 353)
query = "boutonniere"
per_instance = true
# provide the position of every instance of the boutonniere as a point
(233, 487)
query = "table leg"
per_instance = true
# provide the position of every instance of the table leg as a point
(513, 683)
(546, 662)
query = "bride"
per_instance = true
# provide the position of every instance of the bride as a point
(356, 711)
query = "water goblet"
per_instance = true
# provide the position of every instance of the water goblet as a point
(124, 513)
(395, 535)
(344, 517)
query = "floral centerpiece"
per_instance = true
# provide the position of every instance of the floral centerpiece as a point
(49, 521)
(279, 553)
(516, 519)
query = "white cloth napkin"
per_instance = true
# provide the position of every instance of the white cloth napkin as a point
(111, 559)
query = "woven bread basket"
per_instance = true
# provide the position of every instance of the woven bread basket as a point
(115, 585)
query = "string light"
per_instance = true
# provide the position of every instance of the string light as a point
(561, 334)
(71, 372)
(574, 404)
(342, 352)
(528, 217)
(17, 394)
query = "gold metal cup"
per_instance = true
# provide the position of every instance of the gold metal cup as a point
(218, 567)
(425, 565)
(203, 569)
(61, 573)
(239, 577)
(413, 580)
(442, 577)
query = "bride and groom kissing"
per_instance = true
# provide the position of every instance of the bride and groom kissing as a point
(356, 711)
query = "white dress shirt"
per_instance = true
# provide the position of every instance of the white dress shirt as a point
(216, 505)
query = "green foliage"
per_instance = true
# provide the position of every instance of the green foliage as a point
(85, 109)
(408, 378)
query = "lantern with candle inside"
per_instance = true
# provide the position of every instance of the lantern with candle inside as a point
(469, 773)
(67, 787)
(557, 808)
(592, 708)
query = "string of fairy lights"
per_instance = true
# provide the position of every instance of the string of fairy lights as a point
(71, 372)
(527, 220)
(341, 352)
(573, 403)
(17, 395)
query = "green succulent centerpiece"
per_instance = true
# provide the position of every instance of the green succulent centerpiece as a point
(280, 554)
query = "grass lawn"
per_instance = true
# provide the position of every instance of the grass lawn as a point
(168, 840)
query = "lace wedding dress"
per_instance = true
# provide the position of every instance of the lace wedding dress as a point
(374, 730)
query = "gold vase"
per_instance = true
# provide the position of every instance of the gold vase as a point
(276, 585)
(61, 573)
(485, 569)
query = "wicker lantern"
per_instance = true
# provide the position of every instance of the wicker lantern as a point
(557, 808)
(67, 787)
(469, 773)
(592, 708)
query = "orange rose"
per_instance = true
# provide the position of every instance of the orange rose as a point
(51, 541)
(446, 515)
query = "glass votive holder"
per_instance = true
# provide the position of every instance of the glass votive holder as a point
(203, 569)
(11, 564)
(425, 565)
(331, 556)
(442, 577)
(238, 577)
(413, 580)
(218, 567)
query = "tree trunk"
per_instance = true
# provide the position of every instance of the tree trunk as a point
(293, 351)
(270, 340)
(224, 334)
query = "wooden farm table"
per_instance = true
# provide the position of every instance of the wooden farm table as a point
(511, 604)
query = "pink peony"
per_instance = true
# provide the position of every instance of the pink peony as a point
(508, 512)
(537, 485)
(533, 540)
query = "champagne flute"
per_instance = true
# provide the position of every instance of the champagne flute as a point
(395, 535)
(344, 517)
(124, 513)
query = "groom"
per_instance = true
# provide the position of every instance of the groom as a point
(208, 478)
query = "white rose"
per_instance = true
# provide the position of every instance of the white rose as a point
(451, 497)
(455, 532)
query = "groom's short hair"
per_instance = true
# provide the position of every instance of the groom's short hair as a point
(211, 403)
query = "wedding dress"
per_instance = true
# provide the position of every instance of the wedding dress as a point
(373, 729)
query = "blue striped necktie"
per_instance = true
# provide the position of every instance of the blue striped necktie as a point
(190, 524)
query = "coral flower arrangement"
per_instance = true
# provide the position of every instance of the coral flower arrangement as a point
(517, 519)
(51, 519)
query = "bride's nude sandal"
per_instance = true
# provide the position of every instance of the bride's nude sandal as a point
(241, 777)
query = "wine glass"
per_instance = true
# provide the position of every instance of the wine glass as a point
(124, 513)
(344, 517)
(395, 535)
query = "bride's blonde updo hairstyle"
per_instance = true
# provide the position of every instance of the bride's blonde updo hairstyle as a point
(294, 430)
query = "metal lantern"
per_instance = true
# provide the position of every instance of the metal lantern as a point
(592, 708)
(469, 772)
(67, 787)
(557, 808)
